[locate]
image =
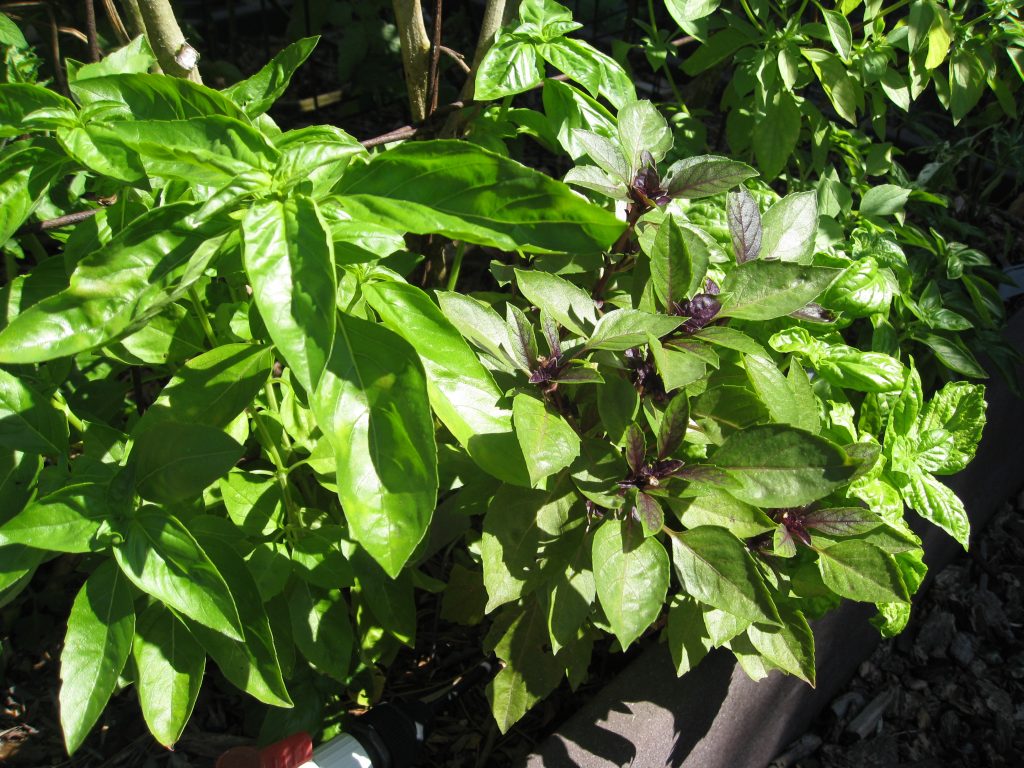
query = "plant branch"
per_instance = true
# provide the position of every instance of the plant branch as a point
(136, 26)
(115, 22)
(435, 57)
(175, 55)
(90, 30)
(415, 55)
(458, 58)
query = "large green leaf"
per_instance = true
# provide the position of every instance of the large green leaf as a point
(510, 66)
(321, 628)
(96, 647)
(210, 150)
(212, 388)
(67, 520)
(714, 567)
(170, 665)
(257, 93)
(28, 421)
(20, 99)
(567, 303)
(958, 408)
(622, 329)
(790, 646)
(137, 56)
(861, 571)
(467, 193)
(176, 462)
(679, 262)
(937, 503)
(372, 405)
(530, 673)
(250, 664)
(789, 228)
(763, 290)
(462, 392)
(632, 577)
(163, 559)
(779, 466)
(549, 444)
(26, 175)
(116, 287)
(289, 257)
(155, 97)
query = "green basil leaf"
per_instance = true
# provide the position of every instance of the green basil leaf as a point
(714, 567)
(211, 389)
(28, 421)
(467, 193)
(478, 323)
(116, 287)
(26, 175)
(776, 135)
(510, 66)
(884, 200)
(951, 352)
(136, 57)
(623, 329)
(289, 258)
(67, 520)
(20, 99)
(372, 405)
(567, 303)
(210, 150)
(96, 647)
(163, 559)
(531, 672)
(573, 590)
(861, 571)
(764, 290)
(170, 666)
(790, 226)
(251, 664)
(632, 579)
(641, 128)
(175, 462)
(257, 93)
(958, 408)
(779, 466)
(773, 389)
(938, 504)
(155, 97)
(715, 507)
(319, 155)
(685, 11)
(548, 443)
(679, 262)
(790, 647)
(462, 392)
(840, 33)
(688, 640)
(321, 628)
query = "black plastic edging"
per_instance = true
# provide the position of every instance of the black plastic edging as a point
(715, 716)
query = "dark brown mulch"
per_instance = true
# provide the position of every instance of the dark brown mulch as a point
(949, 692)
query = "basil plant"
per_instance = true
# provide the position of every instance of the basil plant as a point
(259, 442)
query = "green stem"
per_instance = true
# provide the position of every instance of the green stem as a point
(73, 420)
(38, 252)
(453, 273)
(291, 511)
(750, 15)
(204, 319)
(272, 402)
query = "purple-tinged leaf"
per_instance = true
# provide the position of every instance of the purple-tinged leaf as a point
(744, 225)
(550, 330)
(814, 313)
(521, 338)
(636, 448)
(673, 426)
(650, 513)
(842, 521)
(705, 175)
(783, 543)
